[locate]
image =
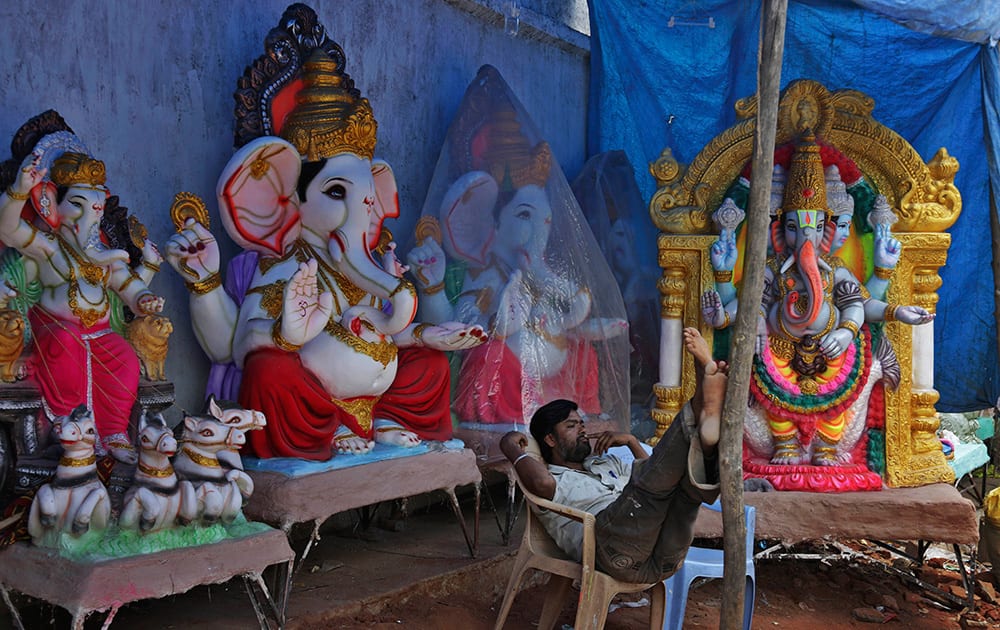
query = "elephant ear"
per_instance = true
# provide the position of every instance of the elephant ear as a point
(257, 195)
(386, 200)
(467, 217)
(43, 201)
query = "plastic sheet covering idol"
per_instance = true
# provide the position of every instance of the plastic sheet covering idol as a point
(502, 242)
(619, 218)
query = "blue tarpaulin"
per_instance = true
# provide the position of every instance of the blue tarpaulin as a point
(933, 73)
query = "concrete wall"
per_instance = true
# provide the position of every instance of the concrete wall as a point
(148, 87)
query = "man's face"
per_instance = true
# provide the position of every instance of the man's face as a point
(570, 439)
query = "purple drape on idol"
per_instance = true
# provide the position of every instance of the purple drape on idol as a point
(224, 378)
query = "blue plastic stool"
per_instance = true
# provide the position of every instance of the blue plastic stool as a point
(701, 562)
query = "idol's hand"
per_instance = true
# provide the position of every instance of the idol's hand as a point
(29, 175)
(149, 304)
(305, 311)
(886, 249)
(712, 309)
(193, 252)
(515, 307)
(723, 251)
(391, 263)
(835, 342)
(151, 254)
(448, 336)
(427, 262)
(761, 336)
(913, 315)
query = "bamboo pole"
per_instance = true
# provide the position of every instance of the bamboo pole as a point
(769, 55)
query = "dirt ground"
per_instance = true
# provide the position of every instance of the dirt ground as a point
(422, 577)
(794, 594)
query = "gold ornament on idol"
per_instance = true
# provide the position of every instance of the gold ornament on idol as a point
(330, 116)
(75, 169)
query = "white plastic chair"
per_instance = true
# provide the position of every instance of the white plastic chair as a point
(538, 551)
(708, 563)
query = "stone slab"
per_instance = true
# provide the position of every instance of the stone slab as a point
(283, 500)
(82, 588)
(934, 513)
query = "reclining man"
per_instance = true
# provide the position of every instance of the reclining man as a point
(645, 510)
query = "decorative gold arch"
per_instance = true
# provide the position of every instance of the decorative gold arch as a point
(923, 197)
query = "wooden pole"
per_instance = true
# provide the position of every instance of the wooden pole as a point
(769, 55)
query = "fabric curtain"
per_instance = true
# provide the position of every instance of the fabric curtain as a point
(667, 74)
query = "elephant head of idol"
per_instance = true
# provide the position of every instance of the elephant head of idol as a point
(345, 195)
(317, 181)
(803, 232)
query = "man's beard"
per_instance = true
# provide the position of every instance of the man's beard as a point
(575, 452)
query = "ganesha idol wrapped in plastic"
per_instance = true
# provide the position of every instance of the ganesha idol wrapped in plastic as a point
(502, 244)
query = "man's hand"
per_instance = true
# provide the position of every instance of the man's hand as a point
(533, 473)
(513, 444)
(606, 439)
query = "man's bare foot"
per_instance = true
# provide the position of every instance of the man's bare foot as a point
(699, 349)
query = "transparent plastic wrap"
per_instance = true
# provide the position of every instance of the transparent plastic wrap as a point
(503, 243)
(613, 207)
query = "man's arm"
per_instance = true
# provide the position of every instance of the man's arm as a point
(534, 475)
(607, 439)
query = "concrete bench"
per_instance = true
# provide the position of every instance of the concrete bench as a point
(289, 491)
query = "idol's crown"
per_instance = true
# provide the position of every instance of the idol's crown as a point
(328, 118)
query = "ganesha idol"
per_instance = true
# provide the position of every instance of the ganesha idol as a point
(502, 244)
(320, 335)
(70, 282)
(841, 386)
(820, 350)
(817, 359)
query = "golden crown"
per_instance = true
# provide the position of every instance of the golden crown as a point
(329, 118)
(511, 158)
(71, 169)
(806, 186)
